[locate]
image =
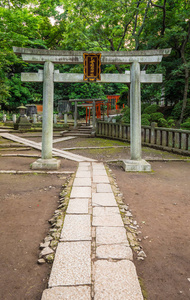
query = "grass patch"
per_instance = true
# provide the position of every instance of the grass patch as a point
(99, 142)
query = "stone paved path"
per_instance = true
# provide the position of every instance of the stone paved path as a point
(93, 258)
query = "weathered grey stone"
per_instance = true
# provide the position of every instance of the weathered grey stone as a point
(46, 164)
(72, 264)
(106, 216)
(114, 252)
(98, 166)
(41, 261)
(78, 206)
(48, 238)
(111, 235)
(100, 179)
(116, 280)
(81, 192)
(83, 174)
(103, 199)
(112, 221)
(104, 188)
(82, 182)
(67, 293)
(99, 172)
(136, 165)
(44, 245)
(76, 228)
(46, 251)
(106, 211)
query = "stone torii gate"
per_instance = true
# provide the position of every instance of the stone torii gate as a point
(48, 76)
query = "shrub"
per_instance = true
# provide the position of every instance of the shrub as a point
(171, 123)
(176, 112)
(126, 119)
(145, 122)
(117, 118)
(156, 116)
(162, 123)
(143, 106)
(151, 109)
(185, 125)
(125, 110)
(145, 116)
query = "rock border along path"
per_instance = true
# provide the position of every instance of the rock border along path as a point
(93, 258)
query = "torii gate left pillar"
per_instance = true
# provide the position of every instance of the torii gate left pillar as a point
(47, 162)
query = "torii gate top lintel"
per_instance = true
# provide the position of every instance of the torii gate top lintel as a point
(76, 57)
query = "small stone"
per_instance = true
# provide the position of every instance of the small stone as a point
(52, 220)
(59, 223)
(140, 258)
(44, 245)
(41, 261)
(188, 279)
(54, 243)
(128, 214)
(56, 235)
(46, 251)
(49, 258)
(48, 238)
(134, 222)
(52, 230)
(142, 254)
(145, 237)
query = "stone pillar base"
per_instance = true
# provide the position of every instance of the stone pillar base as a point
(46, 164)
(136, 165)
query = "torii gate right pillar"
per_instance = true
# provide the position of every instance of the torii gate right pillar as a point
(136, 163)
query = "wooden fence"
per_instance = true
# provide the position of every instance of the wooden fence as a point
(175, 140)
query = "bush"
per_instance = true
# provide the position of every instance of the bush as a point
(143, 106)
(156, 116)
(162, 123)
(125, 111)
(145, 122)
(146, 116)
(151, 109)
(117, 118)
(186, 125)
(176, 112)
(171, 123)
(126, 119)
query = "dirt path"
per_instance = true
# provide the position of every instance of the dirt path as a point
(160, 202)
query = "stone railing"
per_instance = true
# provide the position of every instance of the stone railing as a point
(169, 139)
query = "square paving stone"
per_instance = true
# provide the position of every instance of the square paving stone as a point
(82, 164)
(97, 166)
(78, 206)
(101, 172)
(82, 181)
(81, 192)
(106, 211)
(83, 168)
(84, 174)
(108, 221)
(103, 199)
(111, 235)
(116, 280)
(114, 252)
(104, 188)
(72, 264)
(76, 228)
(67, 293)
(100, 179)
